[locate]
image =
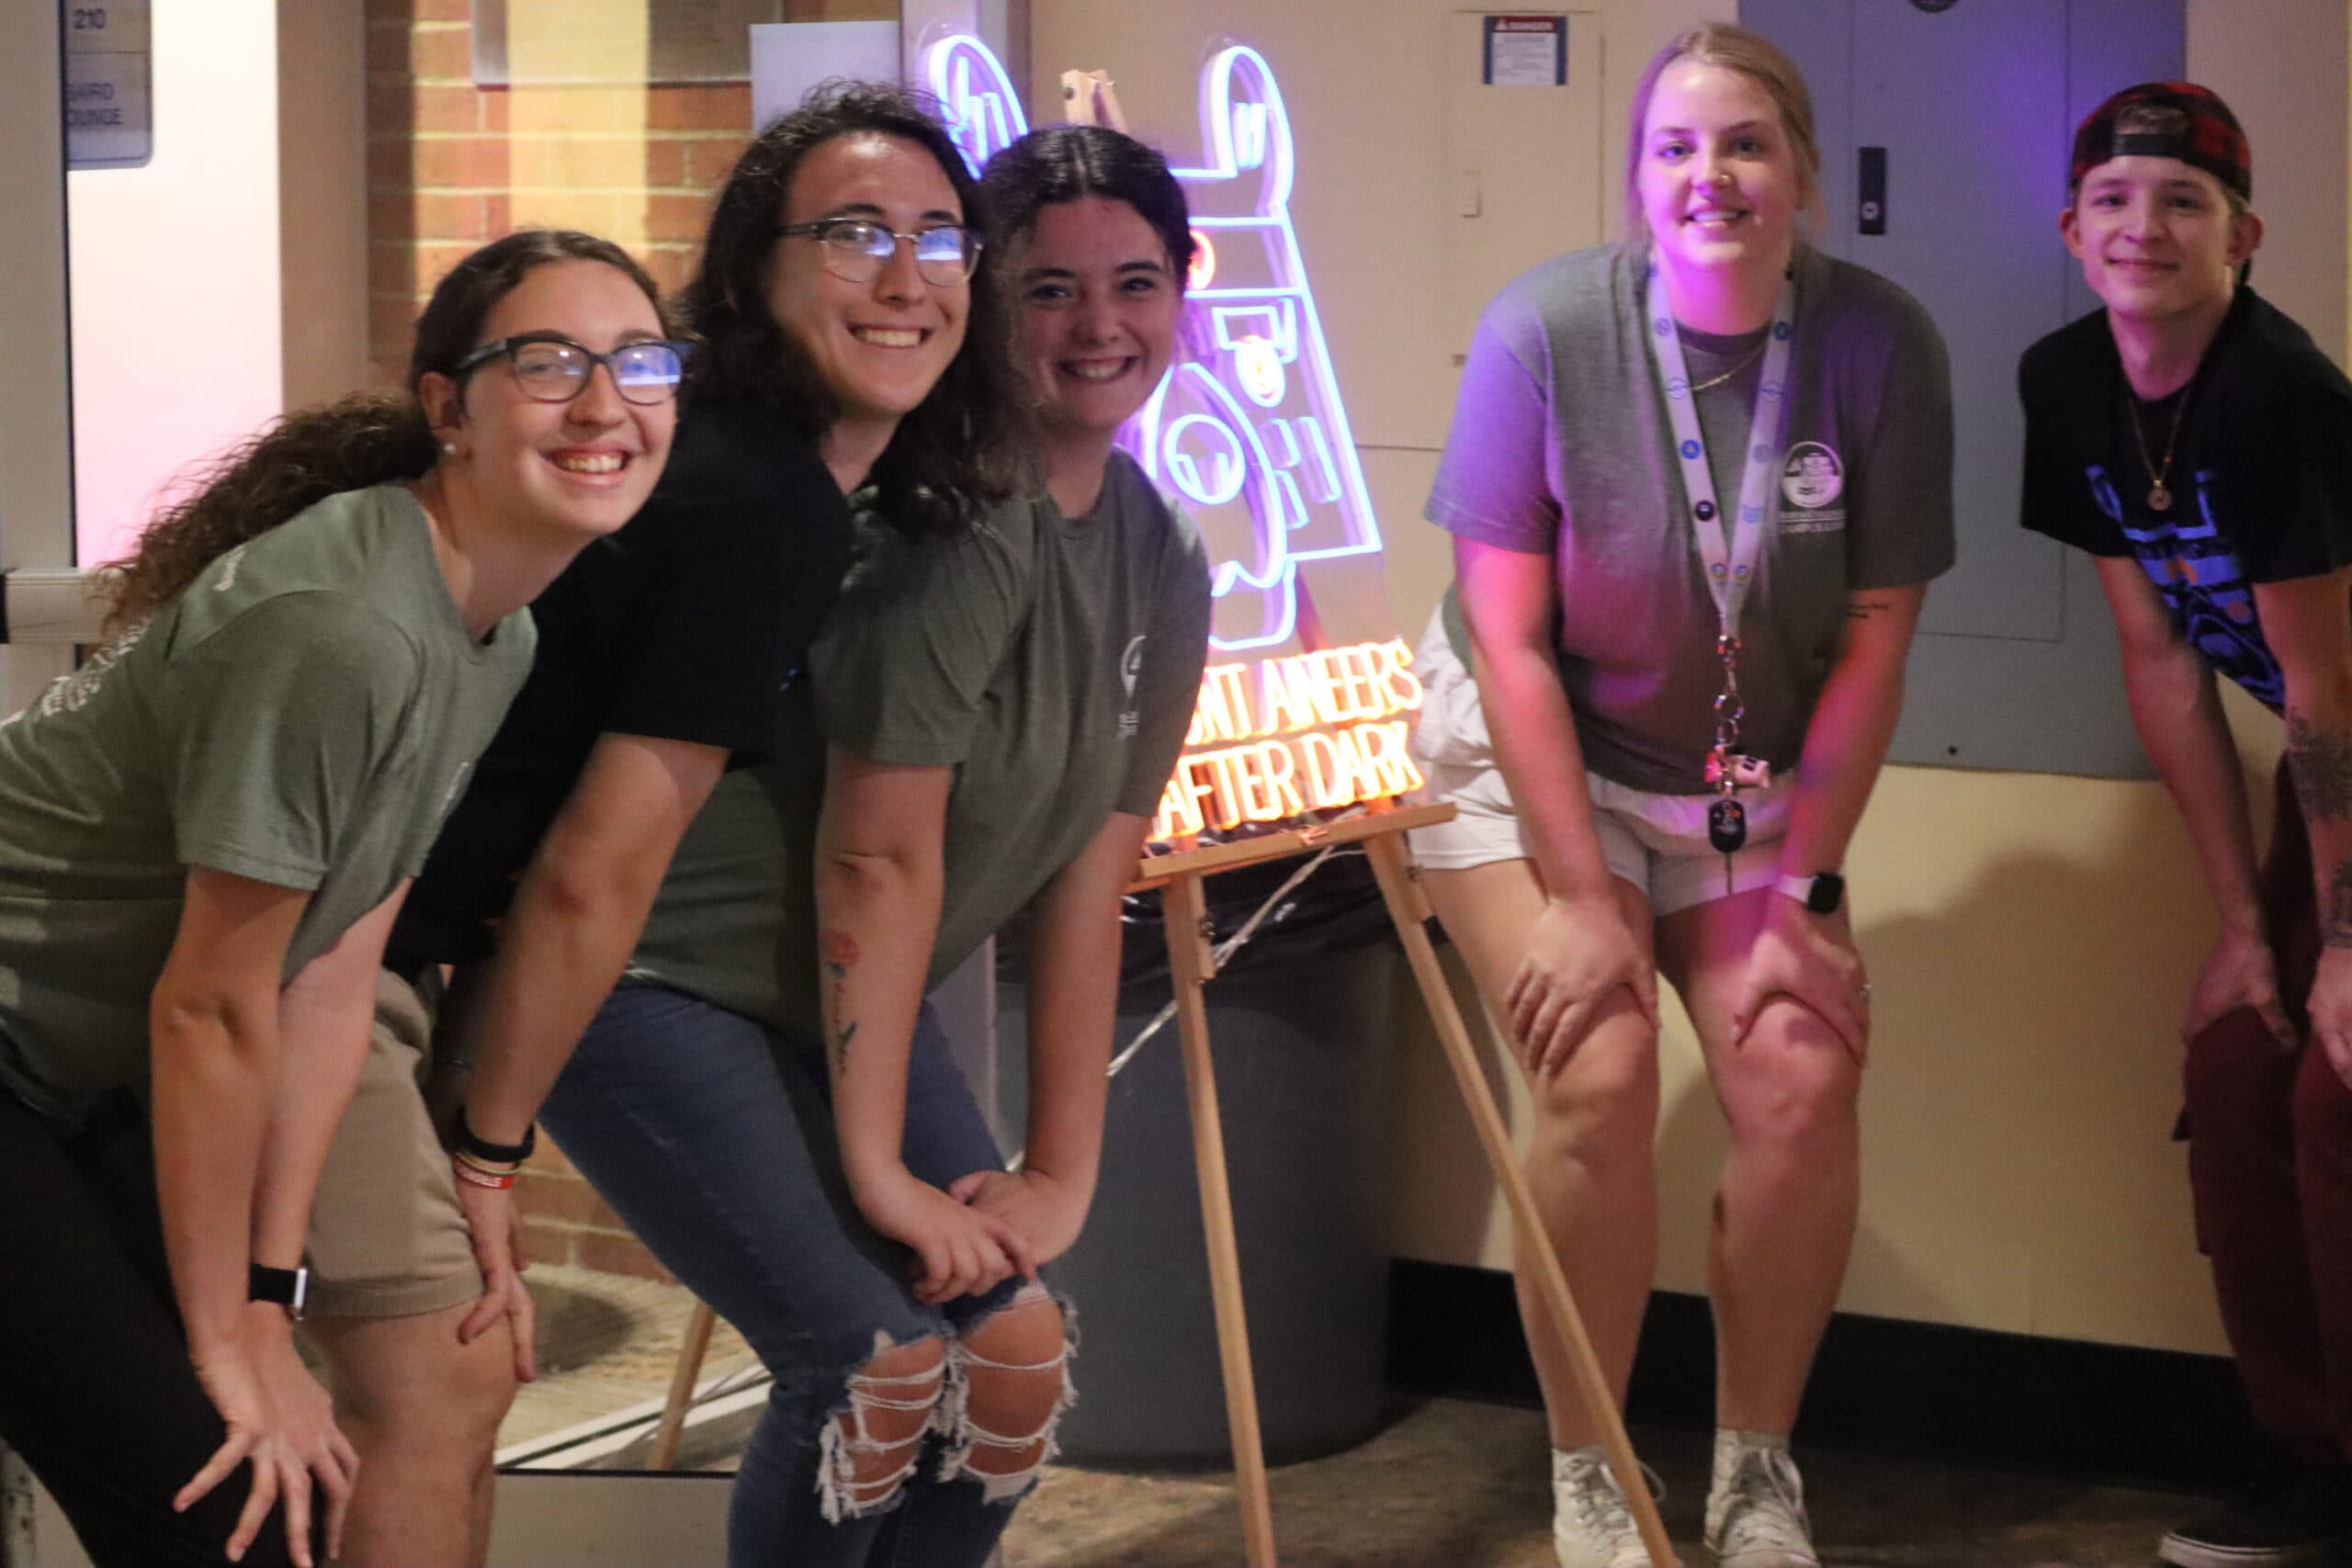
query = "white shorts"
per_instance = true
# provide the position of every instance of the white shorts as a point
(1657, 842)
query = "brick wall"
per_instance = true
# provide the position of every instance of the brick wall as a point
(451, 165)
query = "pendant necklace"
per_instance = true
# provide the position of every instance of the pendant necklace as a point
(2159, 497)
(1750, 357)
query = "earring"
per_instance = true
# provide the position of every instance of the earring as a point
(450, 449)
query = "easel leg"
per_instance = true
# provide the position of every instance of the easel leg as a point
(1408, 908)
(682, 1378)
(1191, 964)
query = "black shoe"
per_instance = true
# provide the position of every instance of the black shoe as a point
(2304, 1521)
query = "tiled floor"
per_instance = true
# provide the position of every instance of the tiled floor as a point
(1449, 1483)
(1445, 1484)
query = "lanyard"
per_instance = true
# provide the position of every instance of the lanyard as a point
(1730, 569)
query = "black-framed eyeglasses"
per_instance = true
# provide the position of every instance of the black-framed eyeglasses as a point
(552, 370)
(857, 249)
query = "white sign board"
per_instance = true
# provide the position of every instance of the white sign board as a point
(110, 85)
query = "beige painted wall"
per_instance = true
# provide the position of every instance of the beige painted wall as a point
(175, 274)
(323, 197)
(2031, 936)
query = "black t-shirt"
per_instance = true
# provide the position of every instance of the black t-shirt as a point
(686, 624)
(2261, 480)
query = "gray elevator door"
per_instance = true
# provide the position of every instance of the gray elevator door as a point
(1972, 106)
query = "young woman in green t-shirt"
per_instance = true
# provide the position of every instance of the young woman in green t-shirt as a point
(204, 836)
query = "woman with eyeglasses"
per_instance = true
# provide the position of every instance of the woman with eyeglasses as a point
(845, 347)
(1000, 706)
(205, 835)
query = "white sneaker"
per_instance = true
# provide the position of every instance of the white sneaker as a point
(1756, 1508)
(1591, 1524)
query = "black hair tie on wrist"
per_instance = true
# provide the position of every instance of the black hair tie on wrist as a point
(502, 1154)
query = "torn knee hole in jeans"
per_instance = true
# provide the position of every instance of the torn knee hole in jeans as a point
(984, 1394)
(872, 1443)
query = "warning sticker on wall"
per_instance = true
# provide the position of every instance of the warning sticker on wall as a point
(1527, 52)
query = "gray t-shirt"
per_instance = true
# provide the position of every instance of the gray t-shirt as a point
(302, 715)
(1561, 445)
(1053, 662)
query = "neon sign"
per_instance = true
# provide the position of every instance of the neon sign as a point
(1286, 737)
(976, 97)
(1248, 429)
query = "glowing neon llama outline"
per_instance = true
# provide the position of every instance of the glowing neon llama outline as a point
(982, 110)
(1249, 427)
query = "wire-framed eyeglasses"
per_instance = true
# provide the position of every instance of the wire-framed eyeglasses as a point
(554, 369)
(857, 249)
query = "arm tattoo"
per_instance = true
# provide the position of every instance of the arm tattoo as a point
(840, 953)
(2335, 921)
(2320, 761)
(1863, 609)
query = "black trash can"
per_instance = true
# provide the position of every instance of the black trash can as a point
(1297, 1021)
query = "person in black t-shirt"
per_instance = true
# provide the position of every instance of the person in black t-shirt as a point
(2196, 442)
(667, 656)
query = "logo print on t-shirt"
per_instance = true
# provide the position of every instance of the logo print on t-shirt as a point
(1810, 475)
(2194, 565)
(1130, 669)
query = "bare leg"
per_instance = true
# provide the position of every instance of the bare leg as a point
(1589, 1164)
(1015, 1371)
(1784, 1222)
(424, 1410)
(877, 1439)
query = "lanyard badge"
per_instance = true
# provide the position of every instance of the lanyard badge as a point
(1730, 566)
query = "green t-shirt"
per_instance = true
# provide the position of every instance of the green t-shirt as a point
(301, 715)
(1053, 662)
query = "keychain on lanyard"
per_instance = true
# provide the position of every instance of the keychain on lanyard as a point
(1730, 571)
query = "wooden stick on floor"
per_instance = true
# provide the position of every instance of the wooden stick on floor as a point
(1409, 908)
(682, 1378)
(1191, 962)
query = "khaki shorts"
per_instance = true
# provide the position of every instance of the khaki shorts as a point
(387, 1236)
(1657, 842)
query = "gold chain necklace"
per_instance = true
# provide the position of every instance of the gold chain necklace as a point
(1750, 357)
(2159, 497)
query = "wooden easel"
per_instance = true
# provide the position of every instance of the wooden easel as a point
(1193, 964)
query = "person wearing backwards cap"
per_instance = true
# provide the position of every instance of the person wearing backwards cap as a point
(2197, 442)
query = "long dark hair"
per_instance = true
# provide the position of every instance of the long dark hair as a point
(371, 438)
(960, 447)
(1069, 163)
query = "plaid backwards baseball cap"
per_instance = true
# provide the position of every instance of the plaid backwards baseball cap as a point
(2168, 119)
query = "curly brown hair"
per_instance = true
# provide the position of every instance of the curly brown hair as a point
(370, 439)
(964, 446)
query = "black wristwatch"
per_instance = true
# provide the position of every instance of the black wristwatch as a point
(288, 1288)
(1821, 893)
(465, 1139)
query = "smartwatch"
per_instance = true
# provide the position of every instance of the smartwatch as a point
(1821, 893)
(288, 1288)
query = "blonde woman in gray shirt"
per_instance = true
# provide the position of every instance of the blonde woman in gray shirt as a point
(1697, 485)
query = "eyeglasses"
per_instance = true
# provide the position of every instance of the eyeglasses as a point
(552, 370)
(857, 249)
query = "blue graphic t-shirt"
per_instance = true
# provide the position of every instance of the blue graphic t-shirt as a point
(2260, 480)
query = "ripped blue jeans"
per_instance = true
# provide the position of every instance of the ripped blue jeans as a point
(712, 1136)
